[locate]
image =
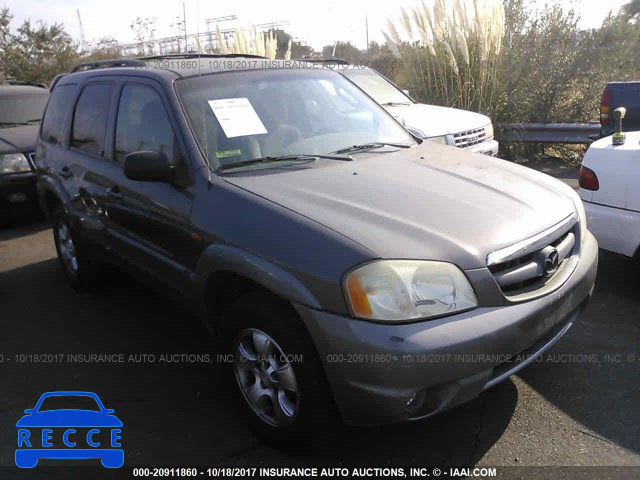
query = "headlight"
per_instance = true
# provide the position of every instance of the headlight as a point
(442, 139)
(488, 130)
(14, 163)
(397, 290)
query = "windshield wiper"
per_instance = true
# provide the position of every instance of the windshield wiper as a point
(370, 146)
(395, 104)
(285, 158)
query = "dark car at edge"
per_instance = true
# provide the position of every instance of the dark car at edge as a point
(21, 109)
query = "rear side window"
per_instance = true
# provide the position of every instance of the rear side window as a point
(143, 124)
(90, 118)
(59, 104)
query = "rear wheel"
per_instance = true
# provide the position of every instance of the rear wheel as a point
(81, 270)
(276, 375)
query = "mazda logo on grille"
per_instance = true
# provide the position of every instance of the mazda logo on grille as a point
(551, 262)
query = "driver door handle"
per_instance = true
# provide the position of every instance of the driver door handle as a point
(65, 172)
(114, 192)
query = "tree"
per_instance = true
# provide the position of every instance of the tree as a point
(144, 30)
(632, 8)
(106, 49)
(298, 50)
(34, 54)
(345, 51)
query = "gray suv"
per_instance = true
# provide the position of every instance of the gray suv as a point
(346, 267)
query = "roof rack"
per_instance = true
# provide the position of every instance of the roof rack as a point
(26, 83)
(202, 55)
(338, 61)
(116, 62)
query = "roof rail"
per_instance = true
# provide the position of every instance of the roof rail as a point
(338, 61)
(116, 62)
(55, 80)
(26, 83)
(201, 55)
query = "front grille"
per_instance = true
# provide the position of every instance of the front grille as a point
(470, 138)
(532, 264)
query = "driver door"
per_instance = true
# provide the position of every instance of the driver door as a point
(150, 221)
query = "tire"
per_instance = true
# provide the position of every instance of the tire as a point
(81, 269)
(258, 324)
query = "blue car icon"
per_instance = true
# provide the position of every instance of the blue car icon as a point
(69, 425)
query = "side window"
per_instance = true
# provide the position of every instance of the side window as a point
(143, 124)
(90, 118)
(59, 104)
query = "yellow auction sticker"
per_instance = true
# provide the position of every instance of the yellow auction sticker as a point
(228, 153)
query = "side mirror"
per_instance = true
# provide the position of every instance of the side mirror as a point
(29, 411)
(419, 134)
(406, 92)
(148, 166)
(109, 411)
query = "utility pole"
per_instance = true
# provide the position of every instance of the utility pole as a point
(366, 26)
(184, 19)
(82, 37)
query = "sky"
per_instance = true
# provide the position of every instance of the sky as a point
(316, 23)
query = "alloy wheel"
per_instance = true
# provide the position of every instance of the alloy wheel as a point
(266, 378)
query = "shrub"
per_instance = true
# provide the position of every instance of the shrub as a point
(514, 64)
(450, 54)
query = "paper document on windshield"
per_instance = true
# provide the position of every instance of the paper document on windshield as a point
(237, 117)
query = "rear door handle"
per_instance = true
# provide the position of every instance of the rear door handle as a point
(65, 172)
(114, 192)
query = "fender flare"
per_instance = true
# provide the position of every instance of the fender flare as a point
(46, 184)
(227, 258)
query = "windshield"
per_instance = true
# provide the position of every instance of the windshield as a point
(376, 86)
(22, 109)
(244, 115)
(69, 402)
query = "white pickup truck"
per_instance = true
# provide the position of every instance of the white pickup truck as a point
(610, 191)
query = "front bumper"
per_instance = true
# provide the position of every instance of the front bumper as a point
(392, 373)
(17, 191)
(490, 147)
(617, 230)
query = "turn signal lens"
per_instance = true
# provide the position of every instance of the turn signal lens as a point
(588, 179)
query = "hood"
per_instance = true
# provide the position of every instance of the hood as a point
(434, 121)
(69, 418)
(428, 202)
(18, 139)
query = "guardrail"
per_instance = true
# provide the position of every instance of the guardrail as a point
(548, 132)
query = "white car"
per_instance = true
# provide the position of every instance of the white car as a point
(610, 190)
(449, 126)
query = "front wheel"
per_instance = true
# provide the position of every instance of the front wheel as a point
(276, 375)
(81, 270)
(266, 378)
